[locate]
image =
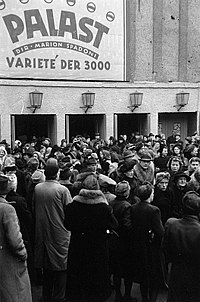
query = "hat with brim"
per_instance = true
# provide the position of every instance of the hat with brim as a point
(127, 166)
(9, 164)
(127, 154)
(145, 156)
(181, 174)
(3, 184)
(90, 160)
(105, 181)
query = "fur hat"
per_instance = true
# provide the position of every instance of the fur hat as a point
(90, 183)
(123, 189)
(191, 203)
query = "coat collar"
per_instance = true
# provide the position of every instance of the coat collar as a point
(3, 200)
(191, 218)
(91, 197)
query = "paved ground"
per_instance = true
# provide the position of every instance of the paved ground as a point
(162, 297)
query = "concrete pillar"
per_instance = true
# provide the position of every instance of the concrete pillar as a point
(109, 126)
(153, 122)
(60, 127)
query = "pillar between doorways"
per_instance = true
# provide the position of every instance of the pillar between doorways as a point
(109, 131)
(153, 123)
(61, 126)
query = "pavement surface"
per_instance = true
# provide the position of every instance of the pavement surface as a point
(162, 296)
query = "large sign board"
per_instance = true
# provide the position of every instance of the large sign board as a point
(63, 39)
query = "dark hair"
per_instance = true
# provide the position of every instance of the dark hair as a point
(191, 203)
(174, 158)
(144, 191)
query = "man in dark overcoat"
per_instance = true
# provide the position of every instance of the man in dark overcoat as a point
(146, 235)
(181, 245)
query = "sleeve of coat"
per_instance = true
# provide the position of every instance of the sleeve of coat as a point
(126, 218)
(157, 226)
(167, 245)
(112, 221)
(13, 234)
(67, 198)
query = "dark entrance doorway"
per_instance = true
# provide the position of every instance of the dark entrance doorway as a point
(130, 123)
(86, 125)
(33, 125)
(184, 123)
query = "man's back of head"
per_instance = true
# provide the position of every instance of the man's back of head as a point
(51, 169)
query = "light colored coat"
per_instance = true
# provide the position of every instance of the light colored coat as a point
(51, 236)
(14, 279)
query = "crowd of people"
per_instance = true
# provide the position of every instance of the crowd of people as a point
(80, 217)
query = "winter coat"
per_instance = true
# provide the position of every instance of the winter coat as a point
(181, 245)
(146, 236)
(23, 214)
(88, 218)
(164, 200)
(26, 226)
(177, 207)
(51, 236)
(14, 279)
(142, 175)
(120, 245)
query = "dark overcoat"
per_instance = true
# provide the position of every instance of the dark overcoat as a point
(146, 236)
(88, 217)
(120, 245)
(26, 226)
(181, 245)
(14, 279)
(164, 200)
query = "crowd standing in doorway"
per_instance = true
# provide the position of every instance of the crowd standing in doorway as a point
(79, 217)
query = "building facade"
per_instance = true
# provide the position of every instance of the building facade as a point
(153, 49)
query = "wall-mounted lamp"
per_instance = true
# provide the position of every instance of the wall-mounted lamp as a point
(181, 100)
(35, 98)
(135, 100)
(88, 100)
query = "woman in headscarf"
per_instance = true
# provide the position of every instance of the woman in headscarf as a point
(89, 218)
